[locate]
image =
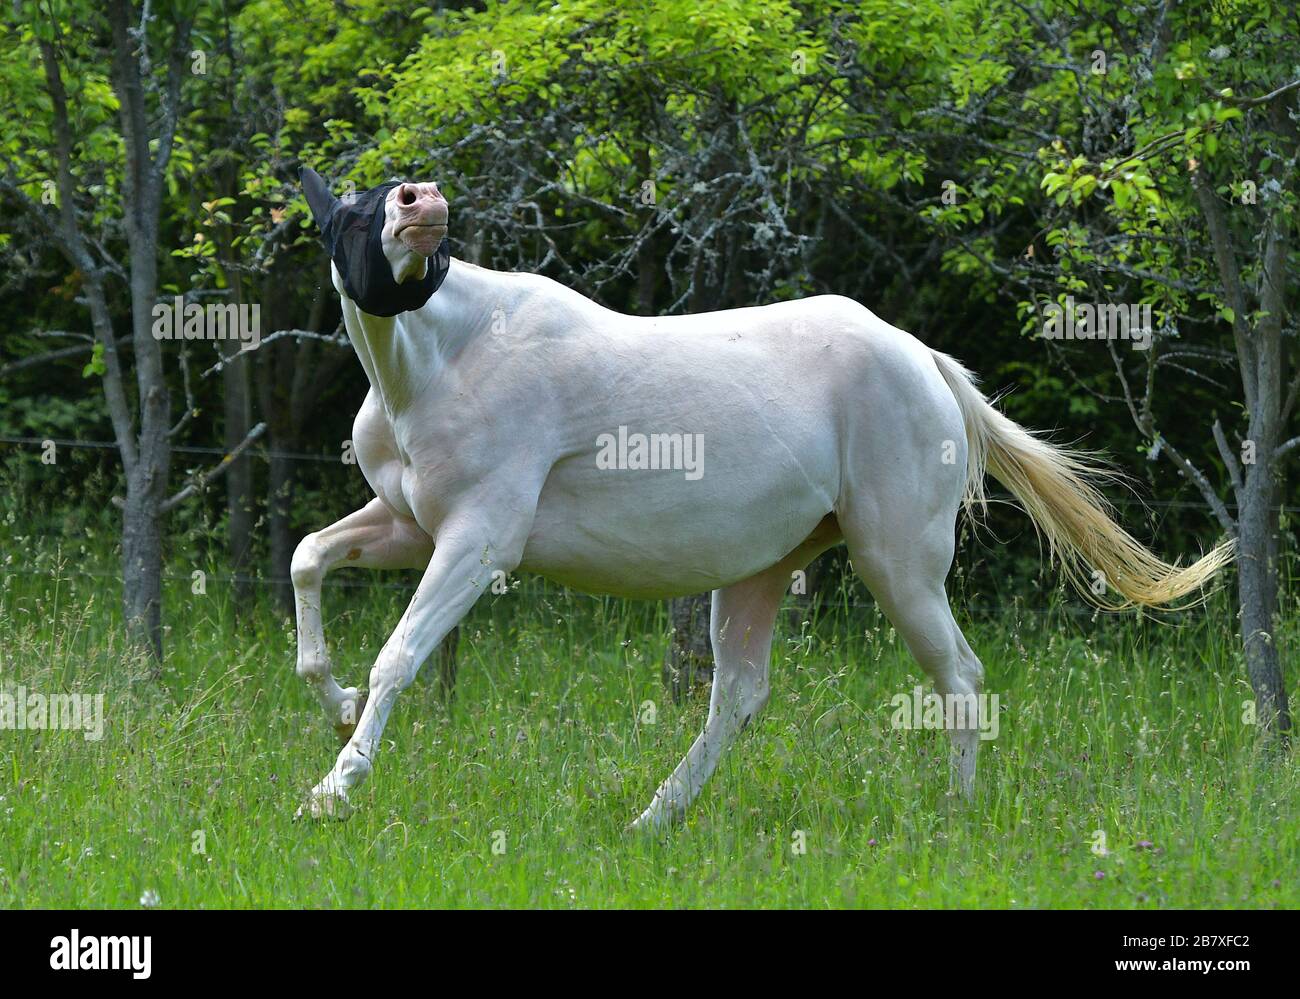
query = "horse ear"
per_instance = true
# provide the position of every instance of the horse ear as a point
(319, 198)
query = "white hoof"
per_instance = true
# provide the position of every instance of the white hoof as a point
(641, 824)
(656, 818)
(325, 802)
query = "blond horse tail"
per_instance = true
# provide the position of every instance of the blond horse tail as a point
(1058, 487)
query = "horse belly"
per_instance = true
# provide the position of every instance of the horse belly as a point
(653, 534)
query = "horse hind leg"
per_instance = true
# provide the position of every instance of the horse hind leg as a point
(907, 581)
(740, 629)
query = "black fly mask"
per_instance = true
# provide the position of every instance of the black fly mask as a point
(352, 230)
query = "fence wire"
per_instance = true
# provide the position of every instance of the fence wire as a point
(826, 603)
(266, 453)
(822, 604)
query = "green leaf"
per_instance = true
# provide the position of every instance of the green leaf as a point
(95, 366)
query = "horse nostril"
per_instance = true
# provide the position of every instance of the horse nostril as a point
(406, 196)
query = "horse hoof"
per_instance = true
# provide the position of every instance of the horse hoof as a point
(653, 821)
(323, 805)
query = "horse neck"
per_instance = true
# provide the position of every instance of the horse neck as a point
(402, 354)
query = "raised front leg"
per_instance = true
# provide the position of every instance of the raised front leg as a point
(467, 551)
(372, 538)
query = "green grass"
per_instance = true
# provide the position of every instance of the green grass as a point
(1117, 724)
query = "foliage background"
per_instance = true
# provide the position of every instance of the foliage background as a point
(794, 149)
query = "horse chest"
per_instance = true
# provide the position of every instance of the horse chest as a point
(419, 476)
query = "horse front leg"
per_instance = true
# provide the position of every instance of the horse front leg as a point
(467, 551)
(371, 538)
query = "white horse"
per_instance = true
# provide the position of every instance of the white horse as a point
(486, 439)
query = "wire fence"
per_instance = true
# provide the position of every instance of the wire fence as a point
(64, 572)
(334, 581)
(336, 459)
(825, 603)
(176, 448)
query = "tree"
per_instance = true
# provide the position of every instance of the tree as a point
(1164, 141)
(60, 166)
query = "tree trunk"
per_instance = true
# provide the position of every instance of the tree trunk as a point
(647, 276)
(275, 367)
(808, 593)
(142, 533)
(279, 485)
(1261, 355)
(1257, 588)
(237, 420)
(688, 662)
(239, 477)
(142, 566)
(146, 483)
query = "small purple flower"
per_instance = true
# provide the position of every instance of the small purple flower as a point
(1099, 875)
(1145, 844)
(872, 841)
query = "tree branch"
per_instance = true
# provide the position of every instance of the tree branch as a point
(1230, 275)
(48, 356)
(68, 234)
(1199, 480)
(1229, 460)
(331, 338)
(1250, 102)
(213, 473)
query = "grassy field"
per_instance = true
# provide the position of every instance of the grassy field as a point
(519, 794)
